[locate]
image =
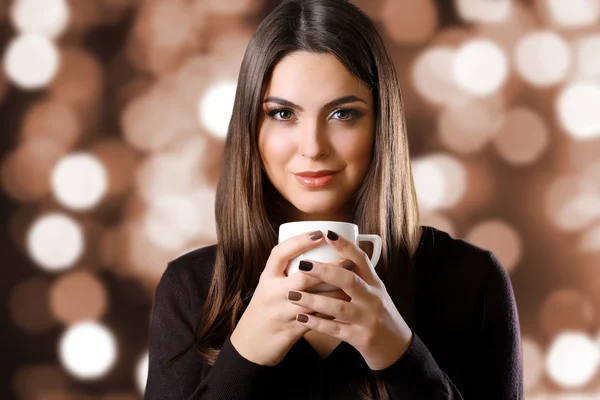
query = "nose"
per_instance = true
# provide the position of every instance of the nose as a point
(313, 141)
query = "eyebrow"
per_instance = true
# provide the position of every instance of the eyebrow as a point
(332, 103)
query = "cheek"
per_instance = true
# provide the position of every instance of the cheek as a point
(275, 149)
(356, 149)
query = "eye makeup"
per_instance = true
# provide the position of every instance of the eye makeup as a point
(353, 114)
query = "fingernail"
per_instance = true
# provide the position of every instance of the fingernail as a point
(294, 296)
(332, 235)
(316, 235)
(302, 318)
(348, 264)
(305, 265)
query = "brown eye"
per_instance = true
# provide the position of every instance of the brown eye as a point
(347, 114)
(280, 114)
(283, 114)
(344, 114)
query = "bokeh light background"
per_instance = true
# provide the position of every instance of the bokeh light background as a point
(114, 114)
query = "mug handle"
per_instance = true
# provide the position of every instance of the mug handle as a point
(376, 240)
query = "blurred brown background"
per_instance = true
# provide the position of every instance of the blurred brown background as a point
(114, 114)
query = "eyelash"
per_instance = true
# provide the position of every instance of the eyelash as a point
(354, 114)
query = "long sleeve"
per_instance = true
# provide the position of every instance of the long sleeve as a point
(498, 374)
(171, 330)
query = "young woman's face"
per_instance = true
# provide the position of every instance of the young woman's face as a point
(299, 130)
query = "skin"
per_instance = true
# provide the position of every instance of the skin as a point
(370, 322)
(307, 134)
(313, 136)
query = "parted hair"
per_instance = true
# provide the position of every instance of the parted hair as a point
(246, 202)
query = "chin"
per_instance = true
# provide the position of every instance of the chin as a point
(324, 206)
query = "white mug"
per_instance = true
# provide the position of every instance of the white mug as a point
(324, 252)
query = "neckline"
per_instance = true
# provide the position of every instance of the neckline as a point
(316, 353)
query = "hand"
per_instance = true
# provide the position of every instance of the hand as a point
(269, 314)
(370, 322)
(334, 294)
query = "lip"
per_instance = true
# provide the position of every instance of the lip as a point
(314, 174)
(320, 180)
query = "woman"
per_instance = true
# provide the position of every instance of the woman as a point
(436, 318)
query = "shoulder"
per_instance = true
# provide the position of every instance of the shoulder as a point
(445, 245)
(194, 263)
(459, 258)
(477, 276)
(188, 276)
(462, 282)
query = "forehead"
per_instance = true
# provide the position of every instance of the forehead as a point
(313, 77)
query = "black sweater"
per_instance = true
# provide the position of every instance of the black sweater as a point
(466, 338)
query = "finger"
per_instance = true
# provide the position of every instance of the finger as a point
(342, 311)
(351, 283)
(303, 282)
(334, 294)
(332, 328)
(350, 251)
(282, 253)
(296, 309)
(298, 281)
(324, 316)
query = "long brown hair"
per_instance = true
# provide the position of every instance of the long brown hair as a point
(385, 203)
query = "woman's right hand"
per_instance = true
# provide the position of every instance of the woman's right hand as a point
(268, 328)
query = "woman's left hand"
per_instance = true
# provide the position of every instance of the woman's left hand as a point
(369, 321)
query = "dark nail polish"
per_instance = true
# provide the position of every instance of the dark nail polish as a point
(305, 265)
(332, 235)
(294, 296)
(302, 318)
(316, 235)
